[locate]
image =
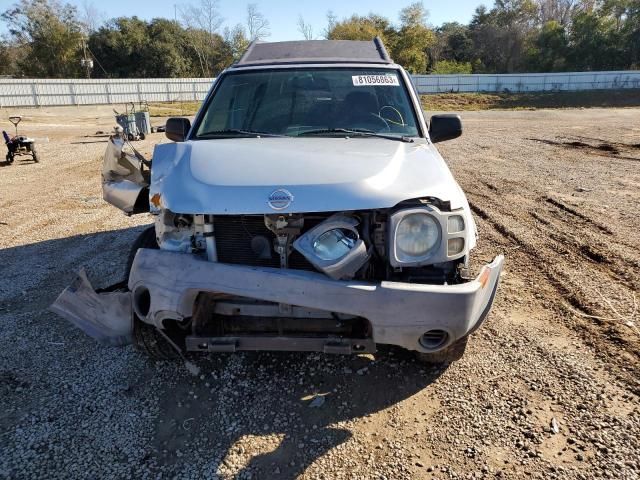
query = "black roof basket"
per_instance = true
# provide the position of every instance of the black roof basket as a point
(315, 51)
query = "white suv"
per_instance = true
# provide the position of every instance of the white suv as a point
(306, 208)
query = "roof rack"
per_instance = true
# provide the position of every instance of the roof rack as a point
(314, 51)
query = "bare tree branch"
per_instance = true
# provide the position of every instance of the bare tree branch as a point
(305, 28)
(90, 17)
(257, 24)
(332, 19)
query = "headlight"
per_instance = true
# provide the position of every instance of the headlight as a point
(334, 244)
(424, 235)
(416, 235)
(334, 247)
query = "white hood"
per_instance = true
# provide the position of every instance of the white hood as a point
(236, 176)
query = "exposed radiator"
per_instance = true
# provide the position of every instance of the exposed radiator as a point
(238, 242)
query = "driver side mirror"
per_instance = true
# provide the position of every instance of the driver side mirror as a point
(445, 127)
(177, 128)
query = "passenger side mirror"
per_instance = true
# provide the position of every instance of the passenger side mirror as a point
(445, 127)
(177, 128)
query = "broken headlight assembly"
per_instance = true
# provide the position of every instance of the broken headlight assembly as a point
(425, 236)
(334, 247)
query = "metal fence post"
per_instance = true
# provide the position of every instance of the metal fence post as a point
(72, 89)
(34, 89)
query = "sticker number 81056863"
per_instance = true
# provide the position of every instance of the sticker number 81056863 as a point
(381, 80)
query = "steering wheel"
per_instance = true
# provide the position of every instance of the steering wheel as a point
(388, 120)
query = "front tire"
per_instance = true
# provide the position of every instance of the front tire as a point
(147, 338)
(448, 355)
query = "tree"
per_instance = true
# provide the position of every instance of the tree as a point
(49, 34)
(236, 41)
(90, 17)
(257, 24)
(305, 28)
(357, 28)
(502, 35)
(202, 23)
(413, 39)
(549, 52)
(446, 67)
(331, 23)
(595, 43)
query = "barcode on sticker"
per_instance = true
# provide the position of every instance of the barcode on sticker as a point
(368, 80)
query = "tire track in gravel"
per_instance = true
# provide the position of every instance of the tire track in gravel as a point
(559, 258)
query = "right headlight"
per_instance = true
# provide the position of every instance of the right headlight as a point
(416, 235)
(425, 235)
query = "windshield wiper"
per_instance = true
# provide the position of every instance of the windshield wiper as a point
(237, 131)
(362, 132)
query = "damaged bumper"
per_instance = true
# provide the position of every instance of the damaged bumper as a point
(164, 285)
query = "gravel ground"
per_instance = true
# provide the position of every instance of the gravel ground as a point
(546, 389)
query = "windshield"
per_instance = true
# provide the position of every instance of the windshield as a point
(310, 101)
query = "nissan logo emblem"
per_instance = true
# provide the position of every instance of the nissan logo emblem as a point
(280, 199)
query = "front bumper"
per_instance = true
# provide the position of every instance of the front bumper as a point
(164, 285)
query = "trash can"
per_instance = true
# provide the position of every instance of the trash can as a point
(143, 122)
(128, 124)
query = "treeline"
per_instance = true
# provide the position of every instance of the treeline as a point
(49, 38)
(513, 36)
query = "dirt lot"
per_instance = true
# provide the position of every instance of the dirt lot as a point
(549, 387)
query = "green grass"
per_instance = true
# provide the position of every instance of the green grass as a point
(173, 109)
(531, 101)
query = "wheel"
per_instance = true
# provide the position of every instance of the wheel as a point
(9, 158)
(453, 352)
(130, 137)
(34, 153)
(147, 239)
(142, 136)
(147, 338)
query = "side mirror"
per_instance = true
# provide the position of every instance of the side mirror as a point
(177, 128)
(445, 127)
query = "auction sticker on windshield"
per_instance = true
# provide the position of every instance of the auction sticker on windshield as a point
(380, 80)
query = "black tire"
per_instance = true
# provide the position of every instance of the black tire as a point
(130, 137)
(147, 338)
(147, 239)
(9, 158)
(142, 136)
(448, 355)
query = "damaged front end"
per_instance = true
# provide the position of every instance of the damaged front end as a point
(304, 282)
(106, 316)
(125, 180)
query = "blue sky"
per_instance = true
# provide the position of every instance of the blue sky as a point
(283, 14)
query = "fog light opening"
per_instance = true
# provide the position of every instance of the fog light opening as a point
(142, 301)
(433, 339)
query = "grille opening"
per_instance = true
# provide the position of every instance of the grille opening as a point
(433, 339)
(207, 323)
(245, 240)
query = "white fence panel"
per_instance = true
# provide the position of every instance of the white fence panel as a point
(48, 92)
(527, 82)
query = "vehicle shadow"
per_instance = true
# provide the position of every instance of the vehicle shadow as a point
(258, 415)
(272, 415)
